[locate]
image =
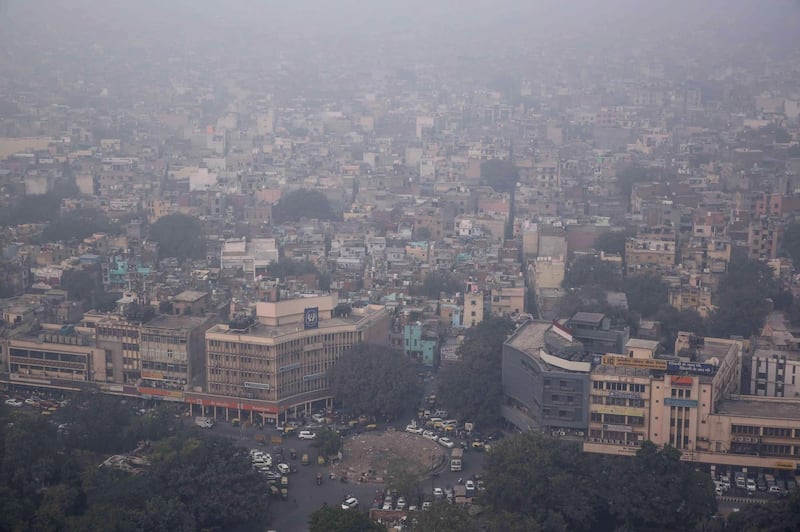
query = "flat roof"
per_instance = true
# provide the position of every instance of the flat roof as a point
(588, 317)
(260, 330)
(641, 343)
(169, 321)
(760, 408)
(529, 337)
(190, 296)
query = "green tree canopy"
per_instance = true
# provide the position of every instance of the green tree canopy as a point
(179, 236)
(334, 519)
(374, 380)
(590, 270)
(471, 389)
(612, 242)
(302, 203)
(77, 225)
(791, 243)
(500, 174)
(554, 485)
(646, 293)
(742, 298)
(440, 281)
(328, 442)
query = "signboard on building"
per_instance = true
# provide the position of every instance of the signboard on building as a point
(681, 381)
(624, 395)
(617, 428)
(686, 403)
(619, 410)
(693, 368)
(256, 385)
(311, 318)
(641, 363)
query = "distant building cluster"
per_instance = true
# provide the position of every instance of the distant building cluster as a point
(453, 202)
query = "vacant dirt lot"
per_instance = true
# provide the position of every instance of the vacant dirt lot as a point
(368, 455)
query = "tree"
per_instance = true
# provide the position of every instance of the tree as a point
(742, 298)
(330, 519)
(472, 388)
(612, 242)
(673, 321)
(328, 442)
(552, 483)
(791, 243)
(76, 225)
(374, 380)
(302, 203)
(402, 476)
(500, 174)
(546, 480)
(179, 236)
(437, 282)
(591, 270)
(646, 293)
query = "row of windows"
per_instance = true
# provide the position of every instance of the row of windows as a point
(617, 419)
(684, 393)
(616, 401)
(618, 386)
(163, 339)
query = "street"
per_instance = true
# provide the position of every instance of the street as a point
(305, 496)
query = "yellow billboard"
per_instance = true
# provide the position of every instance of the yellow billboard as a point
(618, 410)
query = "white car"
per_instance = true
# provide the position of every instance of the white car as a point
(413, 429)
(319, 418)
(306, 435)
(469, 485)
(446, 442)
(430, 435)
(401, 503)
(32, 401)
(438, 493)
(350, 503)
(284, 469)
(13, 402)
(426, 505)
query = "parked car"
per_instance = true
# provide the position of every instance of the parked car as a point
(401, 503)
(284, 469)
(426, 505)
(350, 503)
(306, 435)
(430, 435)
(438, 493)
(446, 442)
(413, 429)
(13, 402)
(32, 401)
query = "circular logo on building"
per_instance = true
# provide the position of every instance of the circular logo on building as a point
(311, 317)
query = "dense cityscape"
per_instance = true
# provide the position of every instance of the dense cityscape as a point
(370, 266)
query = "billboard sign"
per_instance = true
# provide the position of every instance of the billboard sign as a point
(311, 318)
(693, 368)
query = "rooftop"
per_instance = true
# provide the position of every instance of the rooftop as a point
(761, 408)
(190, 296)
(260, 330)
(529, 337)
(169, 321)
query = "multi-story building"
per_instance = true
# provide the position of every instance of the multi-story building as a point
(764, 237)
(692, 403)
(507, 300)
(595, 332)
(545, 378)
(172, 351)
(421, 343)
(651, 252)
(62, 357)
(119, 338)
(775, 361)
(278, 363)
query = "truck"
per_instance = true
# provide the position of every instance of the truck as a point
(204, 422)
(456, 456)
